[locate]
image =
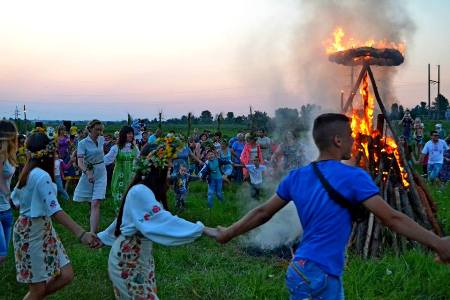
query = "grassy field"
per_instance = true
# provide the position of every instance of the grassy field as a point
(205, 270)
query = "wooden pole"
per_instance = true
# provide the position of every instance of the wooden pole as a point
(355, 88)
(189, 120)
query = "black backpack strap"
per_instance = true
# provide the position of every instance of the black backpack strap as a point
(335, 195)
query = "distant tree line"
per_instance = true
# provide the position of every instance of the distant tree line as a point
(438, 111)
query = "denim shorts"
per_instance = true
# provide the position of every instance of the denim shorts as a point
(305, 280)
(6, 222)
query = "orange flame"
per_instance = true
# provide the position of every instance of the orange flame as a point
(362, 130)
(339, 43)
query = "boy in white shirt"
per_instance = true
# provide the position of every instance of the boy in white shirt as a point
(255, 171)
(435, 148)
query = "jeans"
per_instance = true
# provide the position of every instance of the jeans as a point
(180, 200)
(6, 221)
(214, 188)
(61, 189)
(238, 175)
(255, 190)
(305, 280)
(433, 171)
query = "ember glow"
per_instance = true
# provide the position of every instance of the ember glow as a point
(340, 42)
(365, 136)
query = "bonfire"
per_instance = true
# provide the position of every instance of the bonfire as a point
(376, 146)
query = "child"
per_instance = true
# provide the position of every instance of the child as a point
(180, 182)
(212, 170)
(60, 167)
(255, 171)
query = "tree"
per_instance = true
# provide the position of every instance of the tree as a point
(308, 113)
(260, 119)
(286, 119)
(401, 112)
(206, 117)
(394, 112)
(440, 104)
(230, 117)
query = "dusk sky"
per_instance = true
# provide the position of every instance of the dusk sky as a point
(104, 58)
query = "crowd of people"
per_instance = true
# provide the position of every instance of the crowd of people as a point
(142, 164)
(433, 156)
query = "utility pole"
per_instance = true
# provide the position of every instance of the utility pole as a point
(25, 118)
(16, 114)
(160, 119)
(439, 80)
(251, 117)
(430, 82)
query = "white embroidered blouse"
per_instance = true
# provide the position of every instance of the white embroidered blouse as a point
(38, 197)
(144, 214)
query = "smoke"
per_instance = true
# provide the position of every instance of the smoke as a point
(293, 67)
(283, 229)
(362, 20)
(289, 59)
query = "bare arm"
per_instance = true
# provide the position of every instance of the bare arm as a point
(86, 238)
(3, 186)
(81, 164)
(403, 225)
(252, 219)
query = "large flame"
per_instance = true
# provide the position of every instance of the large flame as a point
(363, 131)
(340, 43)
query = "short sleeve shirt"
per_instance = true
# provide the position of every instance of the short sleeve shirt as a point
(326, 225)
(435, 151)
(91, 151)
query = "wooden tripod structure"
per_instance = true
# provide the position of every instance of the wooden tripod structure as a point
(415, 200)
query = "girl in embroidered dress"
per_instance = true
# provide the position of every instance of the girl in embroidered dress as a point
(123, 154)
(142, 220)
(92, 185)
(8, 148)
(41, 260)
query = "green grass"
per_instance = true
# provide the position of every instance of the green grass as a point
(205, 270)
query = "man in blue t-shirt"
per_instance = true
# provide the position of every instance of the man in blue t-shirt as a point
(317, 267)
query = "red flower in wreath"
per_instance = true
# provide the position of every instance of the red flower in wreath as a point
(24, 273)
(156, 209)
(146, 217)
(124, 274)
(25, 247)
(24, 221)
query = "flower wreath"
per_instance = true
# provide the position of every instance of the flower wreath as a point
(48, 151)
(166, 150)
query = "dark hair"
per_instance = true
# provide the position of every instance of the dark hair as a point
(92, 124)
(218, 133)
(156, 180)
(36, 142)
(434, 132)
(61, 128)
(123, 136)
(326, 126)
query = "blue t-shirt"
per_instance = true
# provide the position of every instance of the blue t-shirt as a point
(238, 147)
(214, 169)
(326, 225)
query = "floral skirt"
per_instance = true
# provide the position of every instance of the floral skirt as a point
(38, 250)
(131, 268)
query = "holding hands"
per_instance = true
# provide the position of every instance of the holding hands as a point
(90, 239)
(220, 234)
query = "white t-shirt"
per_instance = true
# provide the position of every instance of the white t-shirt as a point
(58, 167)
(255, 173)
(435, 151)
